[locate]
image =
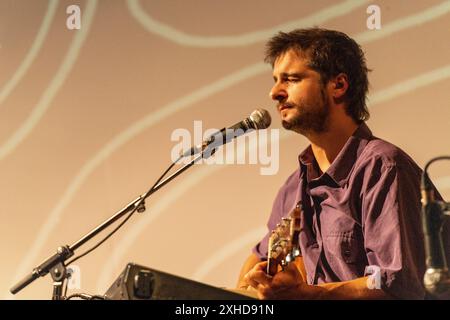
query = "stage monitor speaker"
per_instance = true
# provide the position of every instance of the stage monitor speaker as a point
(142, 283)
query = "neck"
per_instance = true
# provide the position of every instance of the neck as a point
(327, 145)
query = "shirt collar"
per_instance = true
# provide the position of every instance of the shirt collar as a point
(341, 167)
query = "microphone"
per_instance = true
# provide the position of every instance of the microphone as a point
(436, 276)
(258, 119)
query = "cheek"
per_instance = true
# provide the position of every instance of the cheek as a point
(304, 90)
(315, 96)
(296, 94)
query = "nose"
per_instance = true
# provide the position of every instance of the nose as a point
(278, 92)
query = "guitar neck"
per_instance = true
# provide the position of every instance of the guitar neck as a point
(283, 244)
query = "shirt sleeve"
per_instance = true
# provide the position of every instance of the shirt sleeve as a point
(393, 236)
(261, 248)
(283, 203)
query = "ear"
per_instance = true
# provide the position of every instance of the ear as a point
(339, 85)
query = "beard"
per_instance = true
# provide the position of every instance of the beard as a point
(309, 118)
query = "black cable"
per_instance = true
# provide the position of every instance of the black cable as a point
(137, 206)
(434, 160)
(426, 182)
(104, 239)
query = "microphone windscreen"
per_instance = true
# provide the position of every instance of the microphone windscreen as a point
(260, 118)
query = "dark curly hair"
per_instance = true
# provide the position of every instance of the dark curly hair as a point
(329, 53)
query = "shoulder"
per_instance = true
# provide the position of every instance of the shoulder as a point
(383, 155)
(383, 164)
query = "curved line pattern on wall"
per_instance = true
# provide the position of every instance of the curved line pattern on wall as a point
(222, 254)
(138, 127)
(50, 92)
(183, 38)
(409, 85)
(32, 53)
(414, 20)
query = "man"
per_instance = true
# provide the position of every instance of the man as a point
(360, 195)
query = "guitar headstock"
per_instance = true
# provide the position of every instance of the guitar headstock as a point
(283, 242)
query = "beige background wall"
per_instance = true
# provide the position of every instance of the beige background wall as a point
(86, 118)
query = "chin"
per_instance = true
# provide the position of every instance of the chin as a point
(289, 119)
(287, 125)
(293, 123)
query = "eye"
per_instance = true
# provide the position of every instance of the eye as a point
(293, 79)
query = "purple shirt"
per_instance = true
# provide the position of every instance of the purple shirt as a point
(363, 211)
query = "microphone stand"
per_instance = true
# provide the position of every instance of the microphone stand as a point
(437, 278)
(55, 264)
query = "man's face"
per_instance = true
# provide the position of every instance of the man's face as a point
(302, 98)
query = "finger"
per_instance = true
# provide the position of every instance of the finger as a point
(259, 276)
(264, 292)
(261, 266)
(250, 281)
(255, 277)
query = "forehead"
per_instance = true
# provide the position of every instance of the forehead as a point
(291, 61)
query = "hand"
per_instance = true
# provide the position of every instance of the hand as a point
(245, 287)
(286, 284)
